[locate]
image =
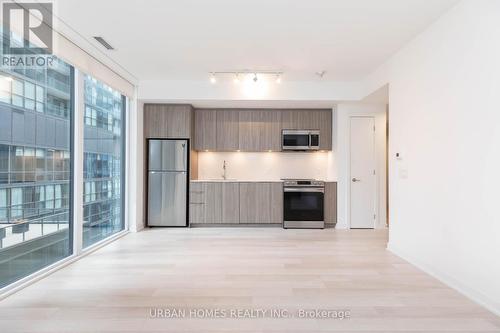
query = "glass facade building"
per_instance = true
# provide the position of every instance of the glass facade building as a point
(35, 169)
(103, 161)
(37, 117)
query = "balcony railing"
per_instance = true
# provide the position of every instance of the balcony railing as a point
(16, 233)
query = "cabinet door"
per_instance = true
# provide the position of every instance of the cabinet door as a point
(155, 122)
(249, 124)
(213, 202)
(227, 130)
(291, 119)
(325, 130)
(255, 203)
(248, 204)
(178, 120)
(330, 202)
(276, 202)
(230, 203)
(269, 130)
(205, 129)
(196, 203)
(167, 121)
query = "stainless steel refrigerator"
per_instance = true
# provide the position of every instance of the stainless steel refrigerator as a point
(167, 183)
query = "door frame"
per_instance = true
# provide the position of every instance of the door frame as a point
(376, 186)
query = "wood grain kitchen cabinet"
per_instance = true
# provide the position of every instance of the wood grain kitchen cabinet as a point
(205, 129)
(260, 203)
(330, 203)
(291, 119)
(325, 130)
(196, 203)
(213, 202)
(230, 203)
(276, 202)
(168, 121)
(269, 130)
(249, 129)
(227, 130)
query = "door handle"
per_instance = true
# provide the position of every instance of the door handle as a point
(355, 180)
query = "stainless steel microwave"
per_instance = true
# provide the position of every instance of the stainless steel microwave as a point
(300, 140)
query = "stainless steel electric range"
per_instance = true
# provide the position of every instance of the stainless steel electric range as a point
(303, 204)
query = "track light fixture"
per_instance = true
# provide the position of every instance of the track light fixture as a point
(240, 75)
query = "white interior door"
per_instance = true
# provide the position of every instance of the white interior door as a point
(362, 172)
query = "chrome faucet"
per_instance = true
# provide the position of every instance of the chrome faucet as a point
(224, 168)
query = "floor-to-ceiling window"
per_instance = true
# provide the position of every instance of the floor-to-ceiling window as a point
(103, 170)
(35, 168)
(36, 156)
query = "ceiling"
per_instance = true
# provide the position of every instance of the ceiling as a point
(184, 40)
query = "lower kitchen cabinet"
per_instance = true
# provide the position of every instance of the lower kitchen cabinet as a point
(196, 203)
(213, 202)
(205, 202)
(236, 203)
(330, 203)
(261, 203)
(230, 203)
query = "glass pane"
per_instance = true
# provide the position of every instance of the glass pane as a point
(35, 209)
(40, 94)
(40, 107)
(29, 90)
(29, 104)
(4, 96)
(17, 87)
(103, 162)
(3, 205)
(17, 100)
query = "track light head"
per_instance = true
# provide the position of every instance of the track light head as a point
(213, 80)
(255, 78)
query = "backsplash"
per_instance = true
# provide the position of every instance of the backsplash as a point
(266, 165)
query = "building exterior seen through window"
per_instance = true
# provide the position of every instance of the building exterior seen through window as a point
(36, 156)
(35, 169)
(103, 161)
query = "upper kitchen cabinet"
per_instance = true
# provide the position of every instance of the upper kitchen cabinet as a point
(259, 130)
(256, 130)
(249, 124)
(164, 121)
(324, 119)
(227, 130)
(310, 120)
(205, 129)
(270, 130)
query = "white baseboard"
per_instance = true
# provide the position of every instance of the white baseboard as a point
(451, 282)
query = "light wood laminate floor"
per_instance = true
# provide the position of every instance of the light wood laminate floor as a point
(115, 288)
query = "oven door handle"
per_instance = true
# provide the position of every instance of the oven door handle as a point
(304, 189)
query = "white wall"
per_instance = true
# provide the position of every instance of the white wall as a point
(135, 174)
(226, 90)
(264, 166)
(445, 119)
(342, 153)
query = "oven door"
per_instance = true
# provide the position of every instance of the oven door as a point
(303, 204)
(296, 140)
